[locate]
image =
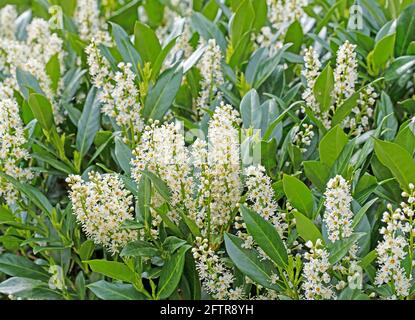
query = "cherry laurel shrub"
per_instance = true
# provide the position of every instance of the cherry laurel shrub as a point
(235, 149)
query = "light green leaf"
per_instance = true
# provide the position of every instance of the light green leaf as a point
(298, 194)
(332, 145)
(323, 88)
(306, 228)
(112, 269)
(397, 160)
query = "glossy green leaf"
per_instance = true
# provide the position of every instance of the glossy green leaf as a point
(267, 237)
(298, 194)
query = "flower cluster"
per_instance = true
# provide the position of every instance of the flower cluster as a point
(311, 72)
(90, 25)
(32, 55)
(119, 93)
(302, 136)
(162, 150)
(212, 76)
(8, 16)
(281, 14)
(220, 187)
(217, 279)
(13, 153)
(345, 73)
(260, 197)
(359, 120)
(317, 279)
(396, 245)
(345, 80)
(101, 206)
(338, 215)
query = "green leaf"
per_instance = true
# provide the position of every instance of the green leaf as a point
(126, 15)
(406, 138)
(171, 244)
(250, 110)
(123, 155)
(306, 228)
(248, 261)
(37, 197)
(115, 291)
(295, 36)
(161, 96)
(18, 266)
(358, 217)
(241, 22)
(53, 70)
(51, 160)
(399, 67)
(368, 259)
(27, 82)
(405, 30)
(125, 47)
(146, 42)
(346, 107)
(156, 67)
(261, 67)
(381, 54)
(86, 250)
(112, 269)
(171, 273)
(267, 237)
(207, 29)
(332, 145)
(19, 285)
(42, 110)
(323, 88)
(298, 194)
(397, 160)
(144, 201)
(158, 184)
(260, 9)
(139, 248)
(317, 172)
(89, 123)
(341, 247)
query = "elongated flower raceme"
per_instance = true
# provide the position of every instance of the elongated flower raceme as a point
(311, 72)
(217, 279)
(260, 197)
(101, 206)
(32, 55)
(219, 174)
(8, 16)
(119, 93)
(317, 279)
(338, 215)
(397, 246)
(345, 73)
(212, 76)
(281, 14)
(89, 23)
(162, 151)
(345, 82)
(13, 154)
